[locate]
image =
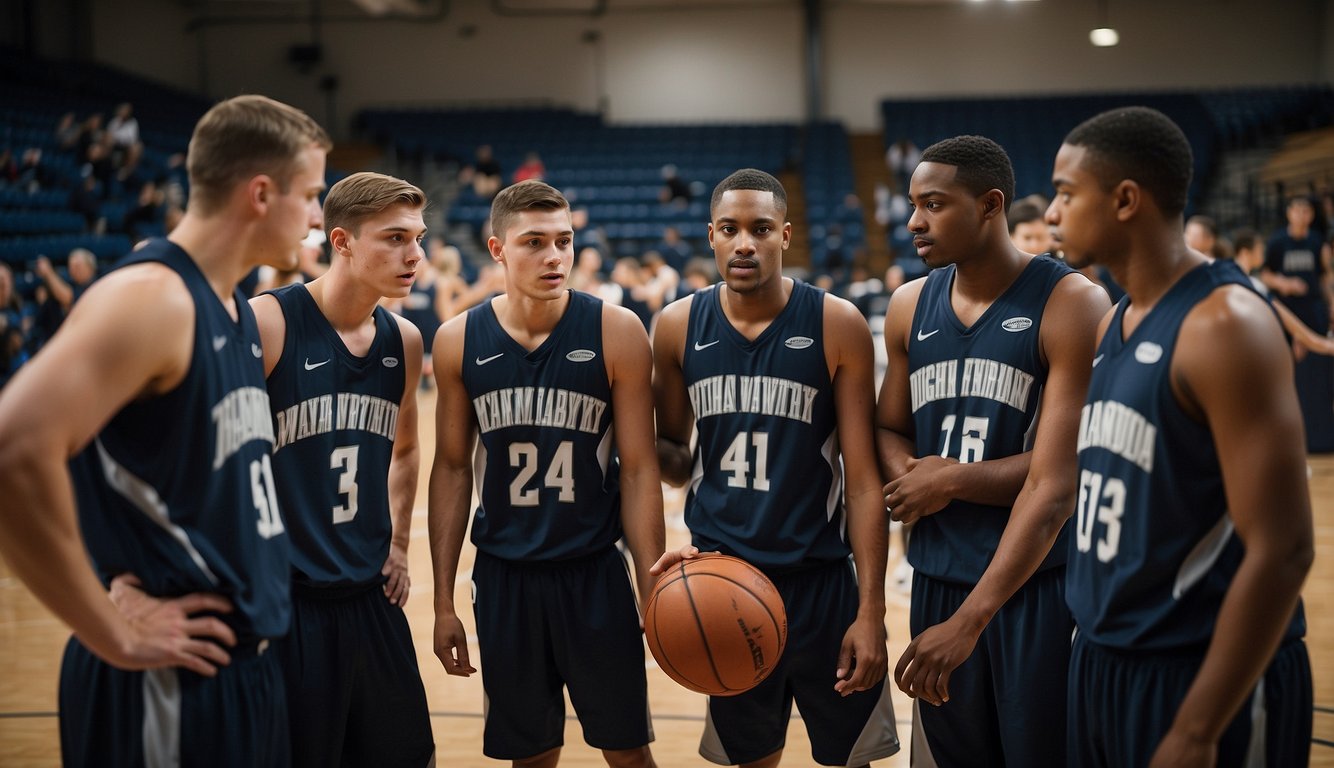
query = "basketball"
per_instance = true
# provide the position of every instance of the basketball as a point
(716, 625)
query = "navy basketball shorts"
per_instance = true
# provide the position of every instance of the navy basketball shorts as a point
(109, 716)
(354, 692)
(821, 604)
(546, 626)
(1122, 704)
(1007, 701)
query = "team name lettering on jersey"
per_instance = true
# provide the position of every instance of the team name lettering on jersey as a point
(318, 416)
(539, 406)
(241, 416)
(1119, 429)
(1299, 261)
(766, 395)
(981, 377)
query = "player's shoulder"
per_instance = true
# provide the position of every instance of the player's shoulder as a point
(149, 291)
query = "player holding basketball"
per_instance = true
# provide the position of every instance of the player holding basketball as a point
(776, 376)
(157, 372)
(342, 381)
(557, 385)
(976, 349)
(1193, 529)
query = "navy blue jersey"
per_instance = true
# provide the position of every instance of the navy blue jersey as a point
(178, 488)
(975, 393)
(767, 483)
(545, 466)
(419, 309)
(1154, 550)
(1289, 256)
(335, 416)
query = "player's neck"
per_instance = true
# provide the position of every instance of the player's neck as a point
(985, 277)
(1298, 232)
(214, 246)
(528, 320)
(752, 311)
(1151, 269)
(346, 304)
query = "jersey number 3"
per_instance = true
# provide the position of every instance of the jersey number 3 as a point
(1101, 499)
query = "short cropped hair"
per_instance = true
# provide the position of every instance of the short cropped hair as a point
(362, 195)
(1245, 239)
(982, 164)
(749, 179)
(1024, 211)
(1140, 144)
(243, 137)
(529, 195)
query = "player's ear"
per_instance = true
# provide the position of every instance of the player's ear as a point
(787, 234)
(1127, 196)
(340, 239)
(496, 247)
(258, 191)
(993, 203)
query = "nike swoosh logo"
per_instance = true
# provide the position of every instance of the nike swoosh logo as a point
(485, 360)
(312, 366)
(1097, 360)
(924, 336)
(255, 350)
(219, 342)
(699, 346)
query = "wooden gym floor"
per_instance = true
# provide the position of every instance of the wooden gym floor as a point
(31, 643)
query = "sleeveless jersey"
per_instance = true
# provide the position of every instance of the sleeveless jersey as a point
(767, 483)
(179, 488)
(419, 309)
(335, 417)
(975, 393)
(547, 475)
(1291, 257)
(1154, 550)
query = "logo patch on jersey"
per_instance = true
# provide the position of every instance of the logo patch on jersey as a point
(799, 342)
(581, 355)
(255, 350)
(219, 342)
(1148, 353)
(390, 362)
(699, 346)
(924, 336)
(1017, 324)
(312, 366)
(485, 360)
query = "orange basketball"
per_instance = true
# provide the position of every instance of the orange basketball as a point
(716, 625)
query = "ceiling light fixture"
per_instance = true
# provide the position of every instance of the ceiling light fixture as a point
(1104, 36)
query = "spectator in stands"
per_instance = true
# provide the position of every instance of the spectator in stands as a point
(675, 190)
(699, 273)
(532, 168)
(485, 174)
(123, 132)
(586, 236)
(628, 275)
(67, 132)
(33, 174)
(82, 268)
(1028, 231)
(86, 200)
(145, 219)
(1202, 235)
(902, 158)
(9, 167)
(588, 276)
(673, 248)
(660, 281)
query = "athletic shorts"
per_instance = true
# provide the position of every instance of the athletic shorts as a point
(354, 692)
(821, 604)
(1122, 704)
(1007, 701)
(109, 716)
(546, 626)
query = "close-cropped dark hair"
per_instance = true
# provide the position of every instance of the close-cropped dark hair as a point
(982, 164)
(1140, 144)
(1244, 239)
(751, 179)
(1024, 211)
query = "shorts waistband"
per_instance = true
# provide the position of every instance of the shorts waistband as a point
(333, 591)
(550, 565)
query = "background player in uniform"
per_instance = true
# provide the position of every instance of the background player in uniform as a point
(342, 380)
(1193, 529)
(175, 489)
(557, 384)
(976, 349)
(776, 376)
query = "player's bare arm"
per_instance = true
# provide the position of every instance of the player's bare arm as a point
(894, 431)
(863, 659)
(272, 329)
(1068, 339)
(51, 410)
(672, 409)
(450, 491)
(629, 364)
(403, 468)
(1247, 399)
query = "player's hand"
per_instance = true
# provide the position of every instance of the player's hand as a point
(396, 569)
(668, 559)
(451, 645)
(923, 672)
(921, 490)
(167, 633)
(1177, 750)
(862, 659)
